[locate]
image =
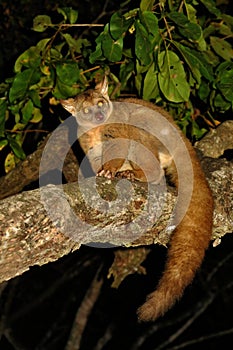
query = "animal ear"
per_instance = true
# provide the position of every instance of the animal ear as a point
(102, 87)
(69, 105)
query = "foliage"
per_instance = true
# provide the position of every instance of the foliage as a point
(177, 54)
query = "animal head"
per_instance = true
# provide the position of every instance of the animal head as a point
(92, 107)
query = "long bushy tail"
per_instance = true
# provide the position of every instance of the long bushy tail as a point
(187, 248)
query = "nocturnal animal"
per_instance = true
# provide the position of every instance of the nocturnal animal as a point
(93, 110)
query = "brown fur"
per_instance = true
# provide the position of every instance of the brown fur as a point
(192, 236)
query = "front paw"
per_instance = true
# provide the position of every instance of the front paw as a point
(126, 174)
(105, 173)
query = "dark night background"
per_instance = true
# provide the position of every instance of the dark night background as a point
(37, 309)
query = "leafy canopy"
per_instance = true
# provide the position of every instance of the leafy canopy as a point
(177, 54)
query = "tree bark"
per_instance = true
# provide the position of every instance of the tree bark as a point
(32, 235)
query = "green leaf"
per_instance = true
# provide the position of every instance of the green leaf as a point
(201, 43)
(22, 82)
(210, 5)
(138, 83)
(15, 108)
(190, 30)
(3, 107)
(68, 72)
(191, 61)
(97, 54)
(191, 12)
(178, 18)
(221, 104)
(3, 143)
(132, 14)
(224, 69)
(141, 69)
(211, 58)
(204, 91)
(9, 163)
(146, 5)
(143, 46)
(197, 132)
(172, 78)
(196, 62)
(118, 26)
(69, 14)
(112, 49)
(62, 91)
(225, 30)
(27, 111)
(4, 87)
(150, 22)
(42, 44)
(75, 44)
(44, 86)
(209, 30)
(222, 48)
(41, 23)
(151, 86)
(126, 72)
(16, 148)
(35, 97)
(18, 127)
(36, 115)
(228, 20)
(55, 54)
(29, 58)
(225, 77)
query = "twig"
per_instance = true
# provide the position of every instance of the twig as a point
(83, 313)
(202, 338)
(10, 337)
(218, 267)
(182, 329)
(188, 323)
(102, 14)
(77, 25)
(71, 273)
(190, 316)
(27, 131)
(181, 5)
(168, 29)
(89, 70)
(166, 25)
(104, 339)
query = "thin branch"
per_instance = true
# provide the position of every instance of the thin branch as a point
(218, 266)
(89, 70)
(102, 14)
(105, 338)
(202, 339)
(70, 274)
(77, 25)
(188, 323)
(27, 131)
(83, 313)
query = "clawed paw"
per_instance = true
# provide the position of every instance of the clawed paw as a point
(105, 173)
(127, 174)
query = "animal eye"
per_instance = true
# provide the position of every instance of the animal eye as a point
(86, 110)
(100, 104)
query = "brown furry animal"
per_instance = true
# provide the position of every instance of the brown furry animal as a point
(192, 235)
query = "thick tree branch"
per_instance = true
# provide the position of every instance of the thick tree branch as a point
(29, 236)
